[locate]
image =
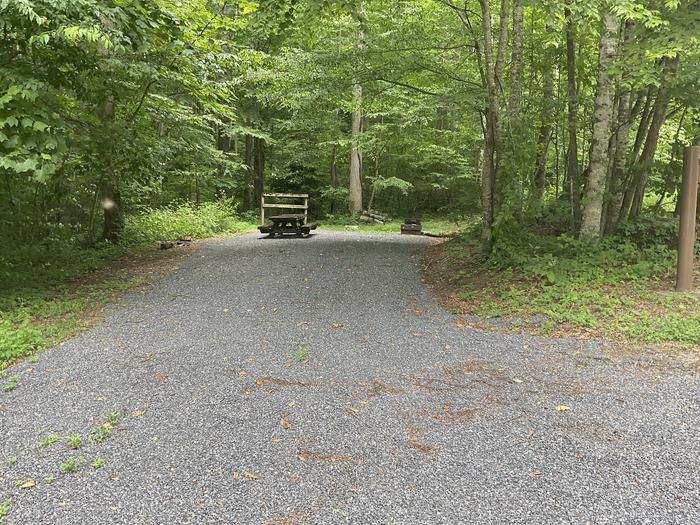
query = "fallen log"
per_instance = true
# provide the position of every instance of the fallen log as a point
(375, 215)
(370, 220)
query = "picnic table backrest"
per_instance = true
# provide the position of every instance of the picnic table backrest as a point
(283, 205)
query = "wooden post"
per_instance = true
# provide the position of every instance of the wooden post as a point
(688, 210)
(262, 210)
(306, 210)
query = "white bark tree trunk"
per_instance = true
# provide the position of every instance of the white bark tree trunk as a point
(602, 114)
(355, 196)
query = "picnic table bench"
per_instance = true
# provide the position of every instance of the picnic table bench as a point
(288, 223)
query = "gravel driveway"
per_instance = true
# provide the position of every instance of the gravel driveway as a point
(316, 381)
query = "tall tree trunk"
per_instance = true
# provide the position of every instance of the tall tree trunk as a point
(514, 168)
(572, 173)
(355, 195)
(647, 157)
(355, 182)
(621, 141)
(259, 168)
(250, 177)
(334, 174)
(643, 125)
(491, 135)
(591, 219)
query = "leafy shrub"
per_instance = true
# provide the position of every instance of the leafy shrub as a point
(651, 230)
(18, 338)
(183, 219)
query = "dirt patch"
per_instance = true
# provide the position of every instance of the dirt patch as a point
(270, 384)
(436, 384)
(147, 266)
(446, 414)
(305, 455)
(424, 448)
(377, 388)
(472, 367)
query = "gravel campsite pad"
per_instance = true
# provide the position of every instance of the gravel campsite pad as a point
(285, 381)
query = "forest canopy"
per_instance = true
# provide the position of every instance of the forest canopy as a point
(572, 114)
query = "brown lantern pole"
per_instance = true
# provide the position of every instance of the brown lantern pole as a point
(688, 210)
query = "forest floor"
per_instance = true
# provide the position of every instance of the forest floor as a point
(294, 381)
(588, 296)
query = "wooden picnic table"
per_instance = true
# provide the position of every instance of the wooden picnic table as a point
(288, 223)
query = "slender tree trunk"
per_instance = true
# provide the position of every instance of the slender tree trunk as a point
(647, 157)
(514, 168)
(259, 168)
(355, 195)
(591, 219)
(250, 177)
(355, 182)
(572, 173)
(491, 125)
(334, 174)
(621, 141)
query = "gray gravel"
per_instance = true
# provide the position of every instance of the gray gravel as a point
(323, 369)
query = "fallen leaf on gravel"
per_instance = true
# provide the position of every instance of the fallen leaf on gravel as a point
(460, 325)
(115, 478)
(417, 334)
(242, 373)
(517, 380)
(136, 413)
(30, 483)
(291, 403)
(249, 475)
(284, 423)
(336, 325)
(536, 473)
(236, 476)
(354, 410)
(562, 408)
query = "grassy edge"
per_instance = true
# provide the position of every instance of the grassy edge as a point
(79, 304)
(446, 281)
(435, 226)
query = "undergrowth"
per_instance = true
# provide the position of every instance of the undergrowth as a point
(42, 298)
(619, 287)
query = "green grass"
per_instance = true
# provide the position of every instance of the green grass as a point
(301, 354)
(43, 296)
(72, 465)
(433, 225)
(11, 383)
(5, 507)
(618, 288)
